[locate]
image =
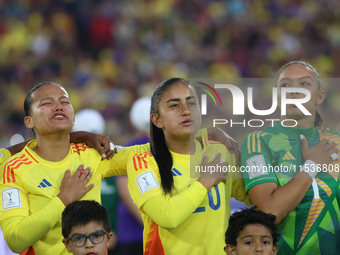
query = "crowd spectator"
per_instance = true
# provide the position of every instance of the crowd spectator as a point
(116, 51)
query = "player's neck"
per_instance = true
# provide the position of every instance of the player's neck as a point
(305, 122)
(53, 148)
(181, 146)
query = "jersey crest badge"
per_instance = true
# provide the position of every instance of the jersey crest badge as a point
(146, 181)
(257, 166)
(10, 198)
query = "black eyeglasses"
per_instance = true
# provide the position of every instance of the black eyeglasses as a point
(80, 239)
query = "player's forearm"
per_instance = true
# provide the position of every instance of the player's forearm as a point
(22, 232)
(282, 200)
(122, 184)
(170, 212)
(132, 208)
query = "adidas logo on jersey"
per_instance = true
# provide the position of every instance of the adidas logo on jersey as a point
(175, 172)
(44, 184)
(288, 156)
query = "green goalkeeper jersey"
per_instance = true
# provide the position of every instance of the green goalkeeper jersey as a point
(274, 155)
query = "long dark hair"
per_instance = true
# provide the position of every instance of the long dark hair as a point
(318, 119)
(158, 145)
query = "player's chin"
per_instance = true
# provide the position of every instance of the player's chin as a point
(63, 128)
(193, 130)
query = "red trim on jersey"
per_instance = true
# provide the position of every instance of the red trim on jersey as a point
(10, 171)
(205, 141)
(154, 246)
(141, 157)
(12, 165)
(134, 163)
(3, 177)
(31, 156)
(28, 251)
(140, 162)
(79, 147)
(214, 142)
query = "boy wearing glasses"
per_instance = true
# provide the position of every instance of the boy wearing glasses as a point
(251, 231)
(86, 228)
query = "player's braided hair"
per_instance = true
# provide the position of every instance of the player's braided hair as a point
(158, 145)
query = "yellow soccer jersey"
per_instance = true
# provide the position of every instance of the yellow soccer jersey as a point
(4, 154)
(202, 233)
(29, 189)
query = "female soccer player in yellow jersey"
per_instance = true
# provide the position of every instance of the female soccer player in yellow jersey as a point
(182, 215)
(305, 196)
(50, 173)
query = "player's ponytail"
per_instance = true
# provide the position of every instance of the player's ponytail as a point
(158, 145)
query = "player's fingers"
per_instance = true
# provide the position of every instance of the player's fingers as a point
(205, 159)
(106, 143)
(323, 142)
(84, 175)
(99, 148)
(330, 145)
(79, 169)
(217, 158)
(88, 188)
(111, 153)
(304, 142)
(67, 174)
(334, 151)
(107, 146)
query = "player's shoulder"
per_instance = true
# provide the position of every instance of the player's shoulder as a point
(143, 161)
(17, 165)
(263, 134)
(213, 146)
(20, 159)
(80, 148)
(84, 152)
(4, 154)
(136, 149)
(267, 131)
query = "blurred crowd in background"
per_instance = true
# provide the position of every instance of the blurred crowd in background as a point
(107, 53)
